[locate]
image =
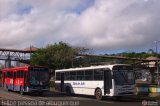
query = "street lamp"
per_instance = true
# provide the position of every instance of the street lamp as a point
(157, 63)
(156, 42)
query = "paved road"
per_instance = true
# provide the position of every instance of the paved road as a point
(55, 98)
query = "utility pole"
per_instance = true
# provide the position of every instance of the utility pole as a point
(158, 82)
(156, 46)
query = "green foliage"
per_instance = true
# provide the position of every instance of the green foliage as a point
(87, 61)
(61, 55)
(55, 56)
(142, 55)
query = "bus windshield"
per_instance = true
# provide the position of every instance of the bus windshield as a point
(123, 77)
(38, 76)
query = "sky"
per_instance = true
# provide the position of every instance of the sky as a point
(105, 26)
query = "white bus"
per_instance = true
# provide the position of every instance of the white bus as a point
(106, 80)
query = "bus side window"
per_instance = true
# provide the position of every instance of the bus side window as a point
(73, 75)
(80, 75)
(18, 74)
(22, 74)
(6, 74)
(66, 76)
(14, 75)
(98, 74)
(11, 74)
(89, 75)
(2, 75)
(25, 77)
(58, 76)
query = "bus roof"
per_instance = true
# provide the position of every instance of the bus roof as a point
(21, 67)
(109, 67)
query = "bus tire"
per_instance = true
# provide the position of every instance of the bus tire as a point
(68, 90)
(21, 90)
(98, 94)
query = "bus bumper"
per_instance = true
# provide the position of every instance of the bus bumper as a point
(37, 89)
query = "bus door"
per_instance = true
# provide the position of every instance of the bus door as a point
(62, 82)
(107, 81)
(14, 78)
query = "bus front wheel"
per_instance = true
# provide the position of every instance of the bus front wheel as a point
(98, 94)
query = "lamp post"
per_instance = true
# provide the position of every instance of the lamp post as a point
(157, 63)
(156, 42)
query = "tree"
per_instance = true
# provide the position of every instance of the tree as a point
(55, 56)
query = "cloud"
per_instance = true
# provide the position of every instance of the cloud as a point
(98, 24)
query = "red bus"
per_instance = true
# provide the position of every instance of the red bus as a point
(26, 79)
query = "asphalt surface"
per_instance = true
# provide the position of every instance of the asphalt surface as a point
(59, 99)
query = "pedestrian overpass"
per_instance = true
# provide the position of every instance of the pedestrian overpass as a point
(23, 56)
